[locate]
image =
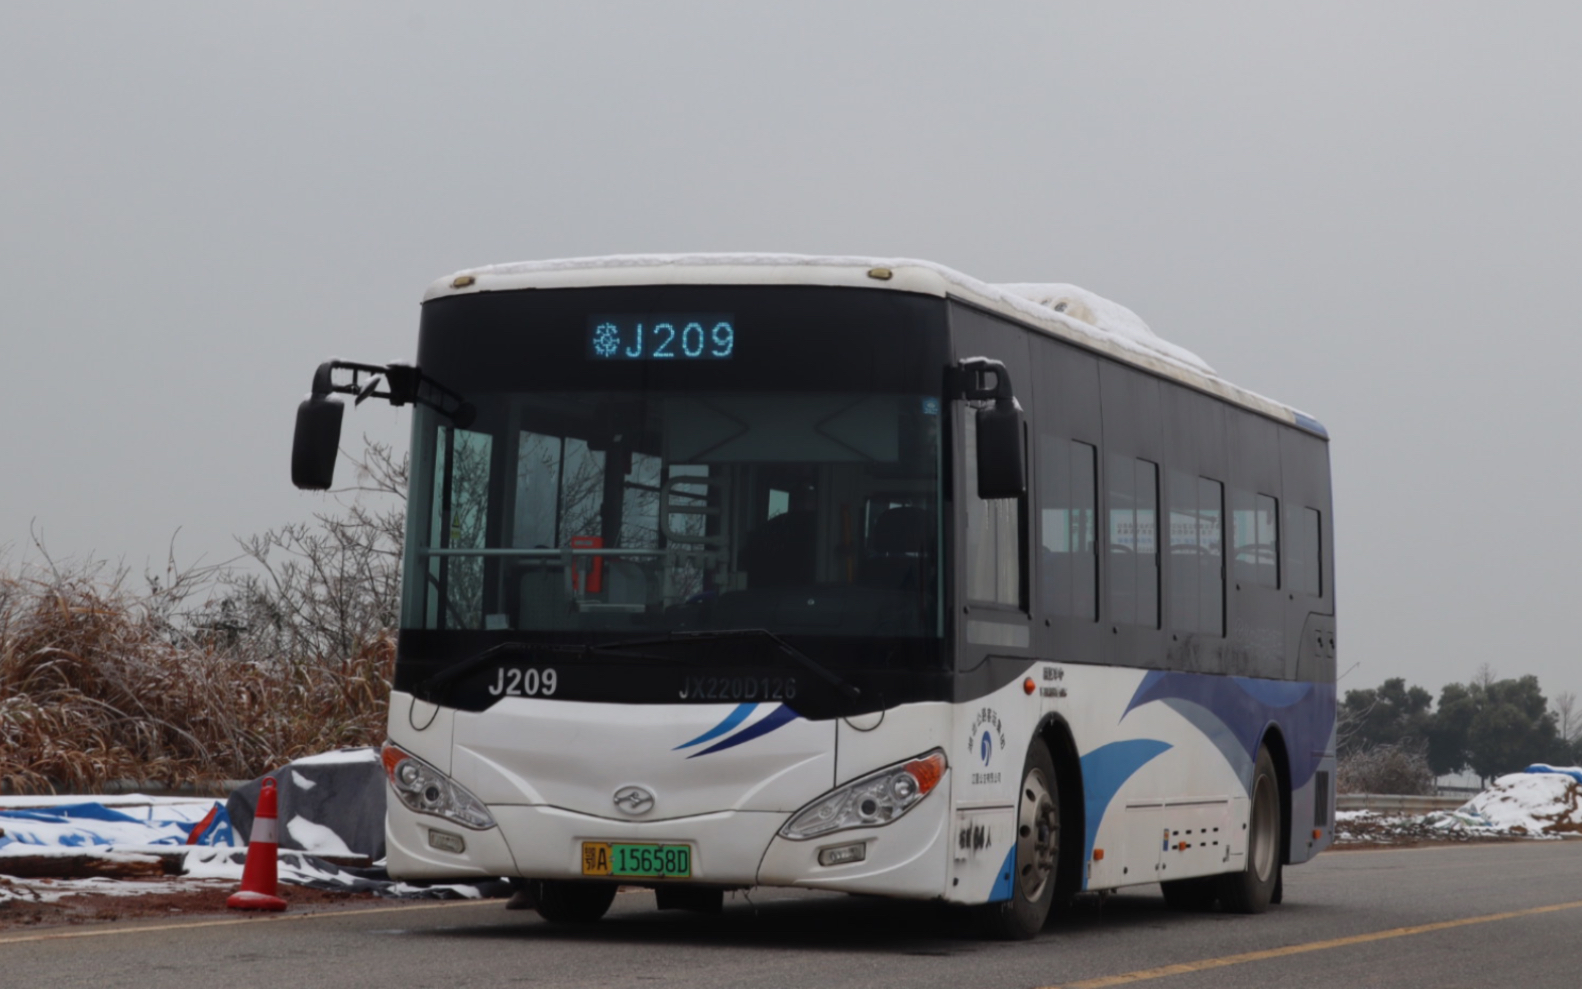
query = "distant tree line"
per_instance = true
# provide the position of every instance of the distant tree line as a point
(1395, 736)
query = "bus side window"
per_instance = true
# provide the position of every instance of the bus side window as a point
(1197, 575)
(1255, 519)
(994, 534)
(1307, 575)
(1134, 541)
(1068, 528)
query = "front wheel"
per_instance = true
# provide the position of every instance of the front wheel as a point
(561, 902)
(1252, 889)
(1036, 864)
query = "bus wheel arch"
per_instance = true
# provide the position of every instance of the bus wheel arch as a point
(1036, 868)
(1258, 884)
(1056, 735)
(1274, 741)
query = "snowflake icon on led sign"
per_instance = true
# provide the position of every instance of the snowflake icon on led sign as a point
(606, 340)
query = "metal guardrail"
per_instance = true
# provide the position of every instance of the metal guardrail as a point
(1395, 803)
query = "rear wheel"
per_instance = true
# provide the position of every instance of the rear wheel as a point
(1252, 889)
(561, 902)
(1035, 865)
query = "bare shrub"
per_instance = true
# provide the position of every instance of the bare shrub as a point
(210, 673)
(1400, 767)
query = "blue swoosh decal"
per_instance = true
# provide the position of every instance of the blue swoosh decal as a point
(1246, 706)
(1104, 771)
(1002, 884)
(777, 718)
(733, 719)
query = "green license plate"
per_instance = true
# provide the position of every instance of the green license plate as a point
(601, 858)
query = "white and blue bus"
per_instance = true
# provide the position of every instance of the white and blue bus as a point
(845, 574)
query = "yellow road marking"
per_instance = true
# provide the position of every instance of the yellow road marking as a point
(255, 919)
(1208, 964)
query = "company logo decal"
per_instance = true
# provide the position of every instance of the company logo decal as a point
(634, 799)
(778, 717)
(984, 739)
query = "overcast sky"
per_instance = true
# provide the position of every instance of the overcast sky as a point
(1369, 211)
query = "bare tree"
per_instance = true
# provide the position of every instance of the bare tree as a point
(327, 588)
(1401, 767)
(1567, 718)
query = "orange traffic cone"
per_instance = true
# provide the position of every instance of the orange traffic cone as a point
(259, 878)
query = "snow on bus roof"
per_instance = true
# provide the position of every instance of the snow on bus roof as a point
(1063, 310)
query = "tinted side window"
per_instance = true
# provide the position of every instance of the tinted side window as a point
(1257, 538)
(1133, 500)
(994, 554)
(1306, 562)
(1197, 574)
(1068, 525)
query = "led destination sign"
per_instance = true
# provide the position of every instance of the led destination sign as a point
(662, 337)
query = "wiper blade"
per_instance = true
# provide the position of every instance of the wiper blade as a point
(434, 685)
(825, 673)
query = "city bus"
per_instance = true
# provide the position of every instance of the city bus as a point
(844, 574)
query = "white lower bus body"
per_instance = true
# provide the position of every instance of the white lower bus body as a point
(1165, 763)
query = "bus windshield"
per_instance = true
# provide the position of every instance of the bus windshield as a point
(631, 511)
(710, 497)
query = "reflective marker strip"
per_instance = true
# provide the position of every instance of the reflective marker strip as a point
(266, 829)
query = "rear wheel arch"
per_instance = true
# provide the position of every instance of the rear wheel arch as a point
(1274, 741)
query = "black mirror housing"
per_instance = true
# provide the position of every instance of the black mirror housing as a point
(317, 441)
(1001, 473)
(1001, 470)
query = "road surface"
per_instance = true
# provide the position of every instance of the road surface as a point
(1497, 915)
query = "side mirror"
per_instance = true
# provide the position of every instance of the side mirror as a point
(1001, 472)
(317, 441)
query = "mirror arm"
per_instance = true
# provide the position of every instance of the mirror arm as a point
(404, 385)
(967, 380)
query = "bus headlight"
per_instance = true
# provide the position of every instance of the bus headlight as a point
(873, 800)
(428, 791)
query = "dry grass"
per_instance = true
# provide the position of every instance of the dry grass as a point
(96, 686)
(207, 674)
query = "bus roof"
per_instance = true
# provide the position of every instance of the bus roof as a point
(1065, 311)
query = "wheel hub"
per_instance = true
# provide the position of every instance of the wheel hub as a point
(1037, 835)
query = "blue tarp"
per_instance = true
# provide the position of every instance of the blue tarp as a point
(88, 823)
(1543, 767)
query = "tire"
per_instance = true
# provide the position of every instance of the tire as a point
(1037, 860)
(1191, 895)
(1252, 889)
(561, 902)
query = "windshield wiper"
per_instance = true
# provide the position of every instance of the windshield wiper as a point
(434, 685)
(834, 679)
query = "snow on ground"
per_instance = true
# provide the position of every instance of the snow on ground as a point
(1540, 803)
(55, 890)
(1543, 802)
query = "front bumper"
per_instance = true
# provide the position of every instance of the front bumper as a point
(906, 858)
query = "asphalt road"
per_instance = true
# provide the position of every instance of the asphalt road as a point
(1502, 915)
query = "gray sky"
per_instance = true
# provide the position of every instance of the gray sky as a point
(1369, 211)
